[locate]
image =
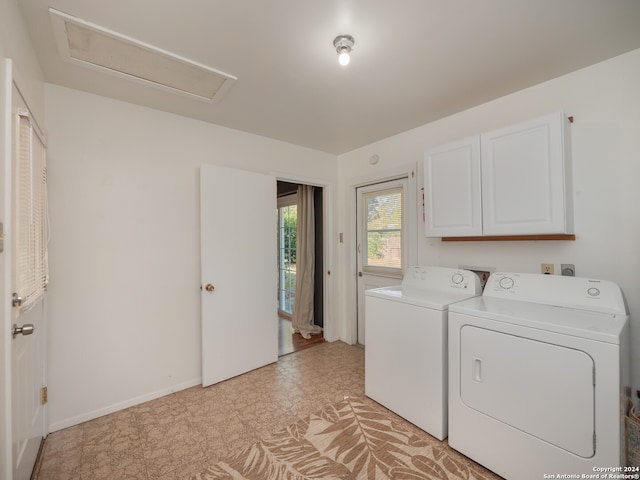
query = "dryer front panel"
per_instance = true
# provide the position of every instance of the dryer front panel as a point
(542, 389)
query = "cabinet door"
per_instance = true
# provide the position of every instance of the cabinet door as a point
(523, 178)
(452, 189)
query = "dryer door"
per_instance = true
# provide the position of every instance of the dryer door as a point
(542, 389)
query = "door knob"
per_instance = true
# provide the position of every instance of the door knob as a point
(209, 287)
(359, 274)
(26, 329)
(16, 300)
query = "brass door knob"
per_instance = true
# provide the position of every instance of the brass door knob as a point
(209, 287)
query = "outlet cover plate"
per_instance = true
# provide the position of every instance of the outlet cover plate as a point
(546, 268)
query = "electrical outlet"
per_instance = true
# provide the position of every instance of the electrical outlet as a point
(568, 269)
(546, 268)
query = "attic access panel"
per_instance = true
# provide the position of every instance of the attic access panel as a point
(86, 44)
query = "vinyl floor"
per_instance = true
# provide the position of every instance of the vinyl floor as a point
(179, 435)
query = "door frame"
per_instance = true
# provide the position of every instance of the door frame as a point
(6, 443)
(410, 171)
(330, 329)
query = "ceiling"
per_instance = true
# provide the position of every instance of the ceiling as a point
(414, 61)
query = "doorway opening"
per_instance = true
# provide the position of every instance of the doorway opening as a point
(289, 340)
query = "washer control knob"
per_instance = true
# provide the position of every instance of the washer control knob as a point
(506, 282)
(457, 278)
(593, 291)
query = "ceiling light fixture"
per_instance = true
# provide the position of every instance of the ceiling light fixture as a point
(343, 44)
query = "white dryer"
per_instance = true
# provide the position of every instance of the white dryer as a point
(538, 371)
(406, 343)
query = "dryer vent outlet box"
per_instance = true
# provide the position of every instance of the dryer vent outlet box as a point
(483, 273)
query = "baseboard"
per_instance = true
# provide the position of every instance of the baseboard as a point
(85, 417)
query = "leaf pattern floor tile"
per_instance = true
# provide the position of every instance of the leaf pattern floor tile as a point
(352, 439)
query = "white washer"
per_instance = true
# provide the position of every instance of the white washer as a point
(406, 343)
(538, 372)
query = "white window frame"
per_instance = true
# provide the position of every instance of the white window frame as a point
(283, 201)
(378, 189)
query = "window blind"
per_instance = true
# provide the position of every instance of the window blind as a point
(383, 229)
(32, 272)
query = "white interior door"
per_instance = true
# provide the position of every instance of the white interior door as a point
(381, 239)
(238, 213)
(27, 408)
(28, 412)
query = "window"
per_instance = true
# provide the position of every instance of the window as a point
(383, 231)
(31, 214)
(287, 231)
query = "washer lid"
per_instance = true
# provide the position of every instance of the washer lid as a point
(435, 300)
(431, 287)
(603, 327)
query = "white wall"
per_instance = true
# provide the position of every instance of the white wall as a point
(605, 101)
(16, 46)
(124, 298)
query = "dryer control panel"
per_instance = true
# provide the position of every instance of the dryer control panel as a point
(442, 279)
(572, 292)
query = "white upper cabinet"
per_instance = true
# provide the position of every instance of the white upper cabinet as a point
(523, 178)
(512, 181)
(453, 204)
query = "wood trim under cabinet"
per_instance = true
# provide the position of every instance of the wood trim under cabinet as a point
(512, 238)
